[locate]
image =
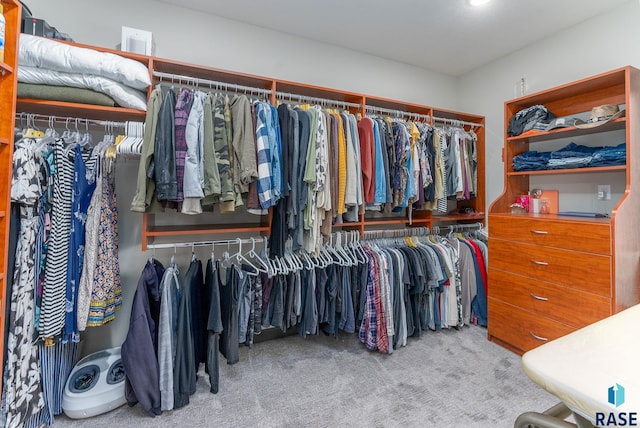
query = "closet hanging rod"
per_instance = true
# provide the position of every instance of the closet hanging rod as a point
(396, 233)
(175, 245)
(374, 109)
(196, 81)
(26, 117)
(457, 122)
(458, 227)
(284, 96)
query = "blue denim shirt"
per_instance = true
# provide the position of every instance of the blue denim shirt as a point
(380, 195)
(275, 142)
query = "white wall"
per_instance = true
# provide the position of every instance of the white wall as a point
(598, 45)
(199, 38)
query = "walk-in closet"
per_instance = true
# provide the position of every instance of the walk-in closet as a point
(334, 214)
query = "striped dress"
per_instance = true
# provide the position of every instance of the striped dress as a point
(54, 295)
(53, 307)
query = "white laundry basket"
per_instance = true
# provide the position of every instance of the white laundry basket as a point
(95, 385)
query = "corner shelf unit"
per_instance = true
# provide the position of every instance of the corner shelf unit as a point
(550, 275)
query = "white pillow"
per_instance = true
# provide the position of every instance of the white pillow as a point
(121, 94)
(50, 54)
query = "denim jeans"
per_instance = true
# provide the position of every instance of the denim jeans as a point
(606, 156)
(531, 161)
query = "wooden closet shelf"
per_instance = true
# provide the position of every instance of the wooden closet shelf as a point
(207, 229)
(569, 220)
(3, 214)
(387, 221)
(178, 68)
(614, 125)
(5, 68)
(83, 111)
(570, 170)
(353, 224)
(4, 141)
(397, 105)
(458, 217)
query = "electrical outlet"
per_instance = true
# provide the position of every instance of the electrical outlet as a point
(604, 192)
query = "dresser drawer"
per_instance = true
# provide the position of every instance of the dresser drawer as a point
(566, 305)
(588, 237)
(521, 329)
(575, 269)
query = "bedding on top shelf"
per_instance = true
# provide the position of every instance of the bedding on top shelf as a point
(64, 93)
(48, 62)
(123, 95)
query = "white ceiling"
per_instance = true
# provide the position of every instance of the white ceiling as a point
(448, 36)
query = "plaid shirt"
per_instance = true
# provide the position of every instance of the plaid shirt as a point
(183, 107)
(369, 327)
(263, 147)
(381, 317)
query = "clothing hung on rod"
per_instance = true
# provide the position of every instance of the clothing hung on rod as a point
(411, 164)
(420, 284)
(54, 182)
(179, 321)
(398, 289)
(321, 176)
(199, 151)
(314, 166)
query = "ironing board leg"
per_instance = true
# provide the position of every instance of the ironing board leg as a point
(552, 418)
(582, 422)
(560, 410)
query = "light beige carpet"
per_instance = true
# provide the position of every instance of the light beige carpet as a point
(442, 379)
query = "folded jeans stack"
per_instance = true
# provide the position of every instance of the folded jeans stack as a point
(609, 156)
(571, 156)
(531, 161)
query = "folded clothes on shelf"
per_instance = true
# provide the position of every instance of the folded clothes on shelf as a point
(571, 156)
(606, 156)
(531, 161)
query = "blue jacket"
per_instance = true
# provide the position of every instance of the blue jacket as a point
(140, 347)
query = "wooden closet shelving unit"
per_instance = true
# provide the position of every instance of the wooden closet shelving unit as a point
(8, 84)
(550, 275)
(174, 225)
(85, 111)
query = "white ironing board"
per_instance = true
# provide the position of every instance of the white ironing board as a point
(580, 367)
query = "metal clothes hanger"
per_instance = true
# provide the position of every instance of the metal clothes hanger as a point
(173, 256)
(225, 258)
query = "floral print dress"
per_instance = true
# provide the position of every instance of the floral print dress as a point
(23, 388)
(106, 290)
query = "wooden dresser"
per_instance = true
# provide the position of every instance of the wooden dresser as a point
(550, 275)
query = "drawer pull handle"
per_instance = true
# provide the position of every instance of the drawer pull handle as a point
(542, 339)
(539, 232)
(536, 262)
(544, 299)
